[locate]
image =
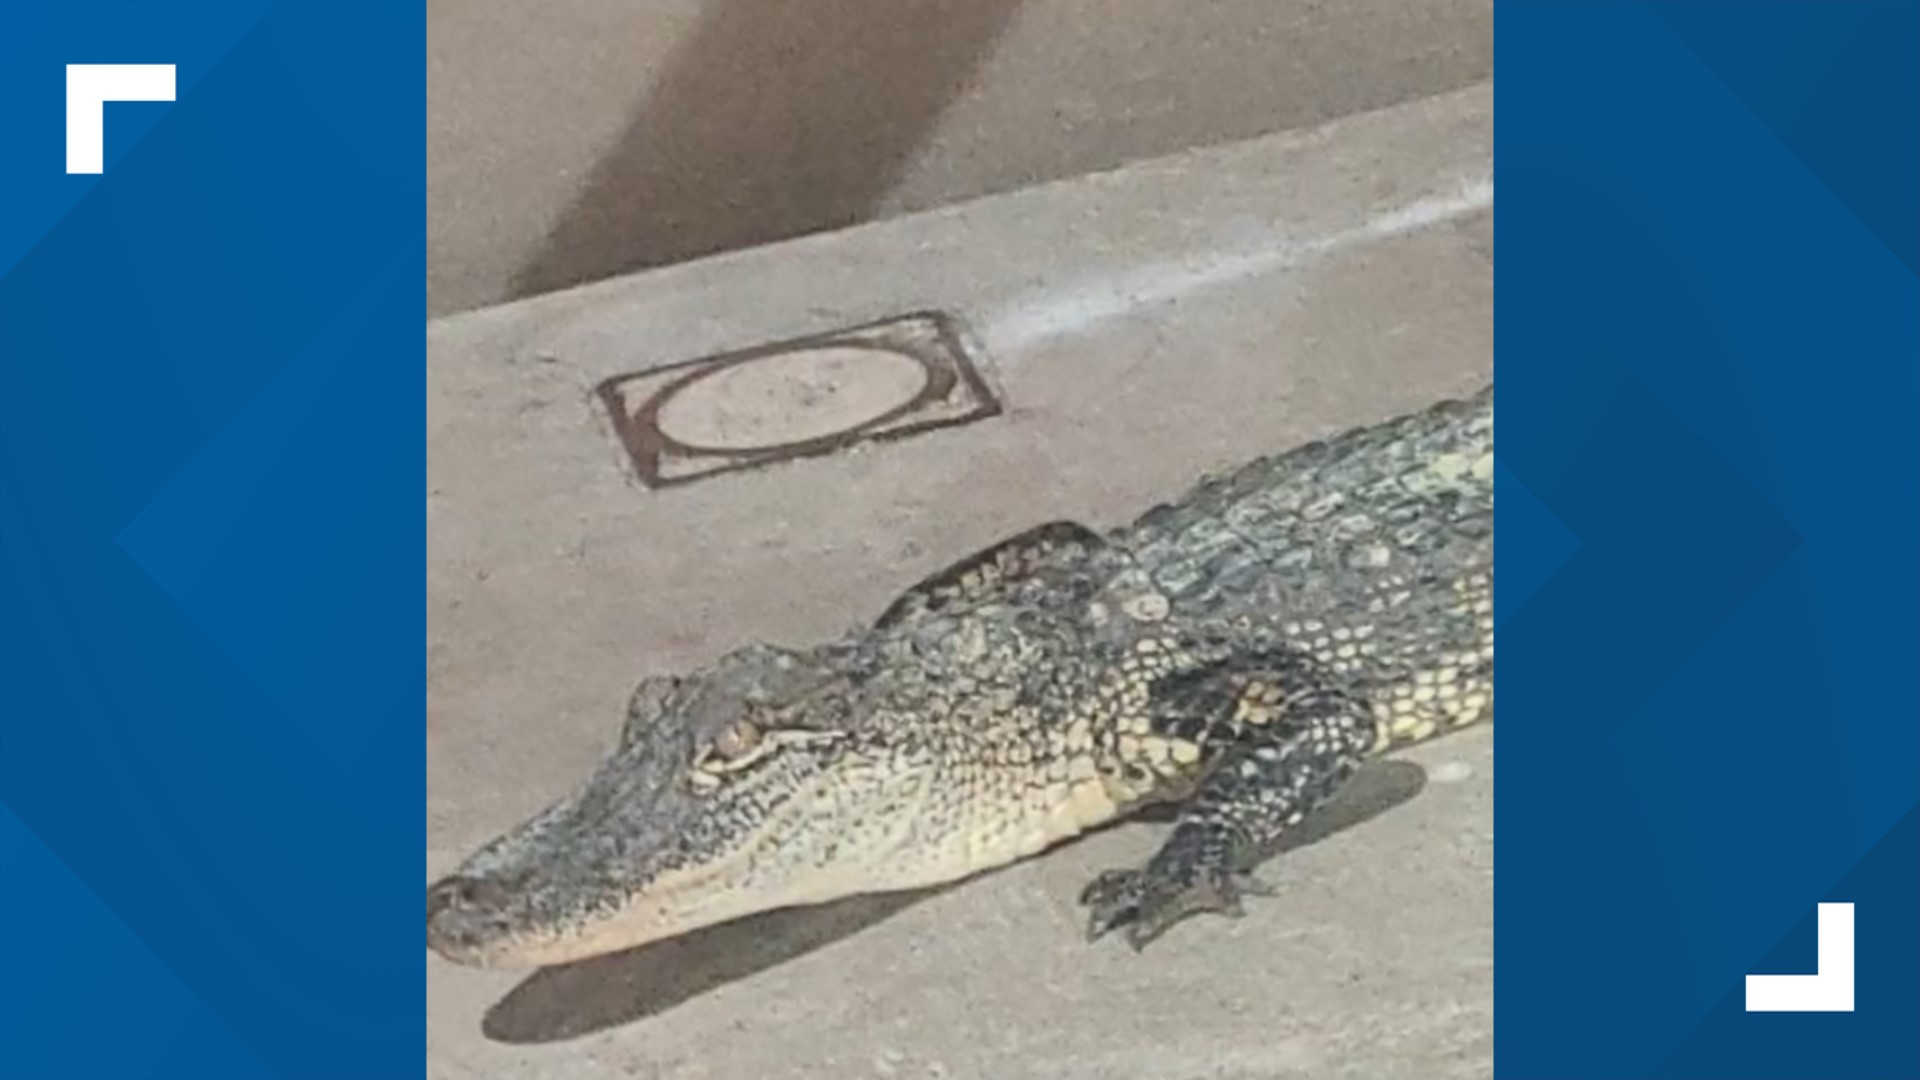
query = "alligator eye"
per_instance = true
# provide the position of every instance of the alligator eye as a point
(737, 746)
(737, 740)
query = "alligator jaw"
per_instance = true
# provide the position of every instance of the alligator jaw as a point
(549, 908)
(560, 887)
(645, 916)
(664, 838)
(550, 893)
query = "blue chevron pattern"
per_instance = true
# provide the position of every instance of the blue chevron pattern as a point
(210, 547)
(210, 577)
(1709, 363)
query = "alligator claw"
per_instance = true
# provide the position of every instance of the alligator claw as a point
(1146, 903)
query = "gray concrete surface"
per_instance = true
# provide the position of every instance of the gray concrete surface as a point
(572, 139)
(1144, 325)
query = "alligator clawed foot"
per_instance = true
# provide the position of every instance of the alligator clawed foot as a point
(1147, 902)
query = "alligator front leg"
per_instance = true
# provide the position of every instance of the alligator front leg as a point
(1282, 738)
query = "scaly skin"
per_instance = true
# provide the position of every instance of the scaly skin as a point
(1237, 653)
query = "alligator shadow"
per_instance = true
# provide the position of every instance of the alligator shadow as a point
(572, 1000)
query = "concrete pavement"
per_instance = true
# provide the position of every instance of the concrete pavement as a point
(568, 140)
(1143, 326)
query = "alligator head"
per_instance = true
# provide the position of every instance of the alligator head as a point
(750, 786)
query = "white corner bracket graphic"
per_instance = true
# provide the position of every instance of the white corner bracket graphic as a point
(89, 88)
(1830, 989)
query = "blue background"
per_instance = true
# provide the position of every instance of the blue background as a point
(211, 537)
(1708, 351)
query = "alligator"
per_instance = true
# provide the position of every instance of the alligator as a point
(1236, 653)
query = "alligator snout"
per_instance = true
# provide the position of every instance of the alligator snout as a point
(460, 894)
(458, 912)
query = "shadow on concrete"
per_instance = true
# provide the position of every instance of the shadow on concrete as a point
(566, 1002)
(572, 1000)
(773, 119)
(1378, 786)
